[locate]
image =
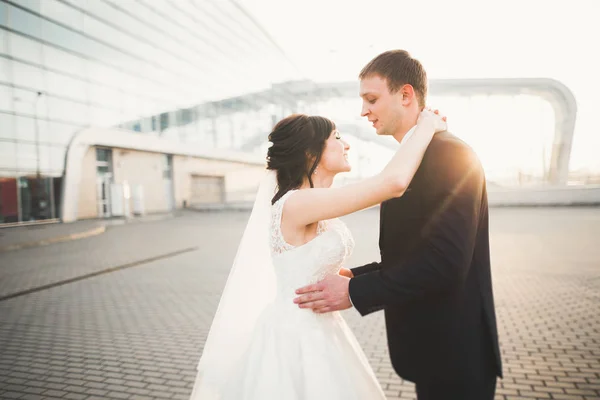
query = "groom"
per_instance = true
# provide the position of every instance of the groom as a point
(434, 281)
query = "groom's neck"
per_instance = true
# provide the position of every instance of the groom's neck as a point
(401, 133)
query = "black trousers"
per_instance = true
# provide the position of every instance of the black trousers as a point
(483, 389)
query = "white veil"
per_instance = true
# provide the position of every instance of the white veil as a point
(249, 289)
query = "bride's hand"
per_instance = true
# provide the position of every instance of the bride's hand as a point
(434, 119)
(346, 272)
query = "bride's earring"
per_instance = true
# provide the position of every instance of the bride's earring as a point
(315, 171)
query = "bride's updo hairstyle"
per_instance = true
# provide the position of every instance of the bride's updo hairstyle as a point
(298, 143)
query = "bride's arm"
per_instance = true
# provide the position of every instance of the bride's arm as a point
(311, 205)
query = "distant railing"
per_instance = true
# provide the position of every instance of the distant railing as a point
(529, 194)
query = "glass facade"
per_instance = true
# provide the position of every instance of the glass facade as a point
(151, 66)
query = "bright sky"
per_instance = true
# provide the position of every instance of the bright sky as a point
(332, 39)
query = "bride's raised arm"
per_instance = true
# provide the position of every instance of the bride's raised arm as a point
(311, 205)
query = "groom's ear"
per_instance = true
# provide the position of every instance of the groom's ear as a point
(408, 94)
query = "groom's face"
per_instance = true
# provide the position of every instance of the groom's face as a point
(382, 108)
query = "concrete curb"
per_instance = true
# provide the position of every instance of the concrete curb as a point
(74, 236)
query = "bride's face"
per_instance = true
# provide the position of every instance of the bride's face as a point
(335, 155)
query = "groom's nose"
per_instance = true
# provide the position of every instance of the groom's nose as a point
(365, 109)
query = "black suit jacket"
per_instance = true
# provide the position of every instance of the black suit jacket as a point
(434, 279)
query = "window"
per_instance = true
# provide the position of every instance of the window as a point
(103, 161)
(187, 116)
(167, 166)
(103, 155)
(164, 121)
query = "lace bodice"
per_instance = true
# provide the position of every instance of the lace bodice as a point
(296, 266)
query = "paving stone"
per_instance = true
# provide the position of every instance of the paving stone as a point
(138, 332)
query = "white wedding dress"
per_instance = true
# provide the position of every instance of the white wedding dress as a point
(296, 354)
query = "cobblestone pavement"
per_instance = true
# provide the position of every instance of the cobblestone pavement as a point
(134, 326)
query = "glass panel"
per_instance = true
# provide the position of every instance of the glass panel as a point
(27, 157)
(52, 159)
(4, 68)
(56, 160)
(27, 76)
(57, 192)
(102, 73)
(6, 100)
(56, 132)
(31, 4)
(3, 33)
(7, 126)
(8, 156)
(70, 111)
(100, 51)
(102, 10)
(35, 198)
(25, 22)
(3, 16)
(104, 118)
(63, 13)
(63, 61)
(65, 38)
(164, 121)
(27, 102)
(9, 201)
(167, 166)
(114, 37)
(24, 48)
(65, 86)
(80, 3)
(104, 95)
(25, 128)
(103, 155)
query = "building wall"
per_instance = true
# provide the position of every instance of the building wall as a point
(239, 177)
(241, 184)
(87, 204)
(145, 169)
(66, 65)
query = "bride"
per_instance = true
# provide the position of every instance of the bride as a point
(261, 345)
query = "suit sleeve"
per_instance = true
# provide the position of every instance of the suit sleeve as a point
(372, 267)
(444, 257)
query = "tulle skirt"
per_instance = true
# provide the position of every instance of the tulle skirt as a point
(295, 354)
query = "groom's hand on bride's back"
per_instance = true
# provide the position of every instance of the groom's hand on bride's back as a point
(330, 294)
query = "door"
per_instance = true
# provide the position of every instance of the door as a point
(103, 195)
(207, 189)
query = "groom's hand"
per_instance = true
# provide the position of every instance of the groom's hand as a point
(330, 294)
(346, 272)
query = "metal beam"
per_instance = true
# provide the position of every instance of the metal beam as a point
(556, 93)
(287, 95)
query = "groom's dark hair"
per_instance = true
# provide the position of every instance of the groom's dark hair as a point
(398, 68)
